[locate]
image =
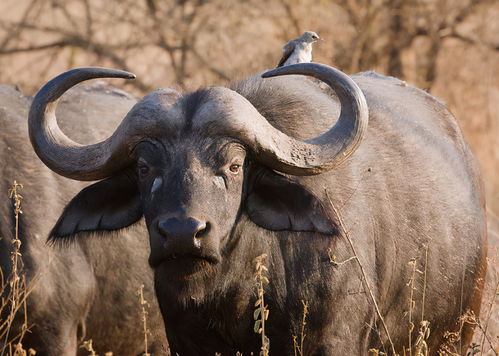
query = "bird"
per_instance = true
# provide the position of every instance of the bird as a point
(298, 50)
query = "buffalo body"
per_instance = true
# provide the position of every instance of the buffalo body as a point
(223, 176)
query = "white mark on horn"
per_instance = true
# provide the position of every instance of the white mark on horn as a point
(155, 185)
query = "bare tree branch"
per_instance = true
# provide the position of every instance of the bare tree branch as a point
(16, 30)
(221, 74)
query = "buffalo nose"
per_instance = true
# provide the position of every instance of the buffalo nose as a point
(188, 228)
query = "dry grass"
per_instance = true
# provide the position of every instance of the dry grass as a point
(88, 346)
(298, 346)
(345, 233)
(261, 313)
(420, 346)
(144, 305)
(452, 344)
(487, 335)
(14, 291)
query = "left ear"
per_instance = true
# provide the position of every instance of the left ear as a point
(274, 202)
(108, 205)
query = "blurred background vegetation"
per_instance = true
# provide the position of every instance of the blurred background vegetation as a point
(448, 47)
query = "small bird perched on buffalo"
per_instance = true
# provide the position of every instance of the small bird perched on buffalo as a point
(298, 50)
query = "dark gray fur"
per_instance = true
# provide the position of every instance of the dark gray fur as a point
(86, 290)
(412, 182)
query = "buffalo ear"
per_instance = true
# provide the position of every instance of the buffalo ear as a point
(111, 204)
(274, 202)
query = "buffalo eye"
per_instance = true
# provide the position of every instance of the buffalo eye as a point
(142, 168)
(234, 168)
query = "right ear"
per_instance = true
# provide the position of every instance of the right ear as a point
(108, 205)
(277, 203)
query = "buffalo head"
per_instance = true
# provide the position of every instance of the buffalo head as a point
(191, 164)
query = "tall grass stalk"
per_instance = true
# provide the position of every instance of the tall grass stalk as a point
(420, 346)
(410, 284)
(491, 264)
(261, 313)
(144, 304)
(13, 289)
(364, 276)
(88, 346)
(298, 347)
(470, 318)
(425, 246)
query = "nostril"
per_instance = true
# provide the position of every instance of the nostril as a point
(203, 229)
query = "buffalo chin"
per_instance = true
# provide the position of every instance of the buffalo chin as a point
(185, 280)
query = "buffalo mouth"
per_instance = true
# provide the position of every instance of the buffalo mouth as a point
(185, 264)
(191, 257)
(189, 266)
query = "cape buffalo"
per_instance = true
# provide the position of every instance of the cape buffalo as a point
(290, 168)
(86, 290)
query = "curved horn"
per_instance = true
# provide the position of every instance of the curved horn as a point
(55, 149)
(322, 153)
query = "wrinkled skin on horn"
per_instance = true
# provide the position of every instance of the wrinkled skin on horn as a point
(230, 174)
(59, 152)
